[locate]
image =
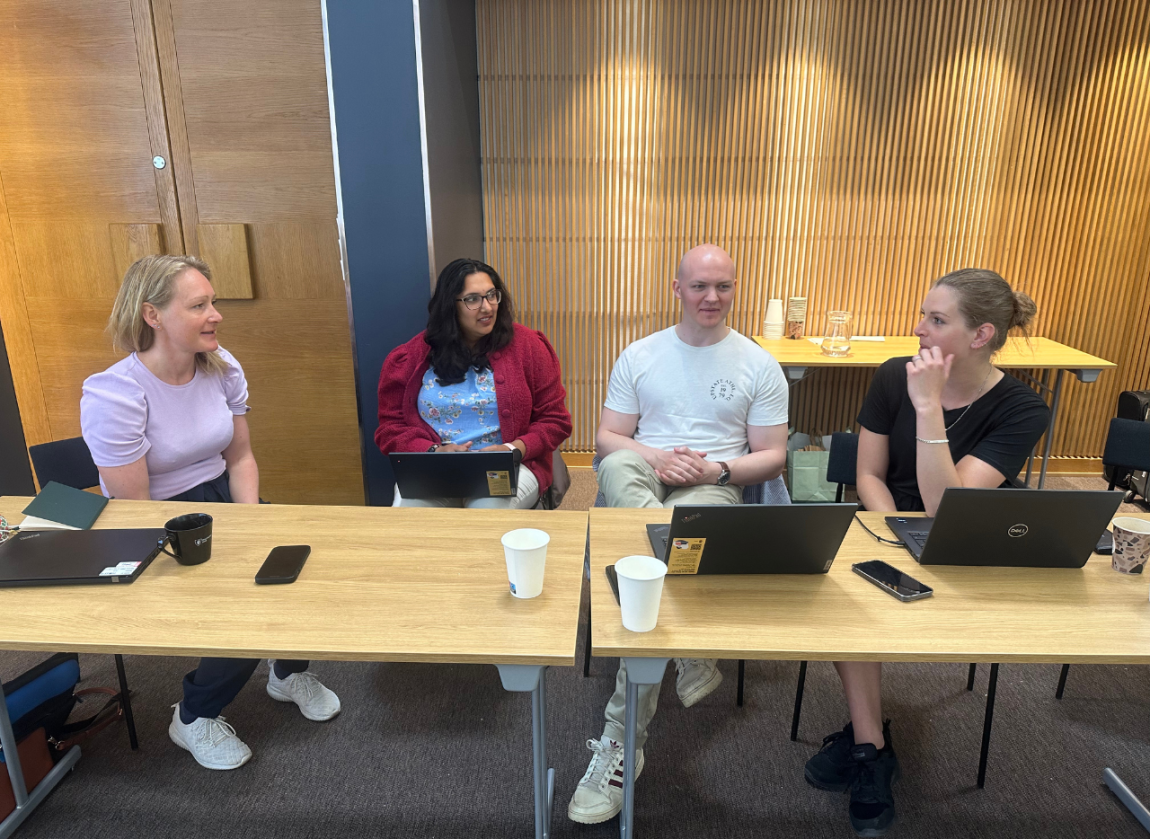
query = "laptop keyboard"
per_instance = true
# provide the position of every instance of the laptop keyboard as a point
(919, 537)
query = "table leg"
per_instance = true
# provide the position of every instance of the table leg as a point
(1050, 428)
(532, 678)
(640, 671)
(27, 801)
(1127, 797)
(986, 723)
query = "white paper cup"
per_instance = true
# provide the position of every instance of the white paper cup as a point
(640, 589)
(526, 554)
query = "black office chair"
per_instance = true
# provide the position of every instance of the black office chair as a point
(1127, 448)
(843, 460)
(69, 462)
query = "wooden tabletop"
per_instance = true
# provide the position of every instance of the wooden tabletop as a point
(1093, 614)
(381, 584)
(1018, 352)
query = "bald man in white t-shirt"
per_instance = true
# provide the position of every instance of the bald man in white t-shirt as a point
(693, 414)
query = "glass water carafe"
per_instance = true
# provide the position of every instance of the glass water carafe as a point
(837, 338)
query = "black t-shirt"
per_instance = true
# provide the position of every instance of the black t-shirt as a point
(1001, 428)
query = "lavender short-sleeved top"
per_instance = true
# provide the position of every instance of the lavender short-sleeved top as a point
(127, 413)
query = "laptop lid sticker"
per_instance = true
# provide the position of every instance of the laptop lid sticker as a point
(685, 556)
(499, 482)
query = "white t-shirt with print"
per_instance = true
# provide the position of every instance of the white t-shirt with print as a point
(701, 397)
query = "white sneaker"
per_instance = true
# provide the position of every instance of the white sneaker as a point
(212, 742)
(697, 678)
(314, 700)
(599, 795)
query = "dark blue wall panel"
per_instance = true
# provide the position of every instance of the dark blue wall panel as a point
(381, 176)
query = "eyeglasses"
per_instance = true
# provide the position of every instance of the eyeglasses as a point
(474, 301)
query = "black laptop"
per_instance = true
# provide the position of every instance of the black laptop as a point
(455, 474)
(1014, 528)
(77, 557)
(752, 538)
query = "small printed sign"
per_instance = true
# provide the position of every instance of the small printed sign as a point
(499, 483)
(686, 554)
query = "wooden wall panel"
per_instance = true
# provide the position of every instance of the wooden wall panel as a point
(75, 158)
(256, 157)
(847, 152)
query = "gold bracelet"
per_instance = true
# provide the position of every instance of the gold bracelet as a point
(933, 442)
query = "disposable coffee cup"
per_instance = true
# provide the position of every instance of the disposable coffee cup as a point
(526, 553)
(640, 590)
(1131, 545)
(190, 538)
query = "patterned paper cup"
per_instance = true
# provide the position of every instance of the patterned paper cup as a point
(1131, 545)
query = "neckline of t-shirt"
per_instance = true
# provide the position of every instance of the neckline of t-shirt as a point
(139, 362)
(675, 334)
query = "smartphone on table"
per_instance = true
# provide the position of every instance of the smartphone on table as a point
(892, 581)
(283, 565)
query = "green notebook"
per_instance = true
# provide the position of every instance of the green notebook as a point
(63, 505)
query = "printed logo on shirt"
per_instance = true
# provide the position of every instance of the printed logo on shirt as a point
(723, 389)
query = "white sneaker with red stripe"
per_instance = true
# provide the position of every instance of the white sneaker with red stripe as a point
(599, 795)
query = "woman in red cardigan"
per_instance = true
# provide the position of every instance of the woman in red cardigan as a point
(474, 381)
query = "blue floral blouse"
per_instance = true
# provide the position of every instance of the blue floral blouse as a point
(462, 413)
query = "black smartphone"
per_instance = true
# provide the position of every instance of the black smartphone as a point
(613, 581)
(892, 581)
(283, 564)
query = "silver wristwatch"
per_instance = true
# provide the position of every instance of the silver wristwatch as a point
(724, 475)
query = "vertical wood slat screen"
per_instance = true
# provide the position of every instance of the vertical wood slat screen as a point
(846, 152)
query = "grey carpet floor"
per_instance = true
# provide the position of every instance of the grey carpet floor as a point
(443, 751)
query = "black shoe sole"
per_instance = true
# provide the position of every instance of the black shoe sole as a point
(872, 832)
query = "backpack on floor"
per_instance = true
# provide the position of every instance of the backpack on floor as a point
(39, 703)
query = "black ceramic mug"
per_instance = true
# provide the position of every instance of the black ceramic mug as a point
(190, 537)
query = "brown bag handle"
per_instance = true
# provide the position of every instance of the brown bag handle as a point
(83, 729)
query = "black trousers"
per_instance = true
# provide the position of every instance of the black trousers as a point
(217, 681)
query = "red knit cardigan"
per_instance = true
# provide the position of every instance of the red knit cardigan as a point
(528, 390)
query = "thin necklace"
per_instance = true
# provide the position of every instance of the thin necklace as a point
(972, 401)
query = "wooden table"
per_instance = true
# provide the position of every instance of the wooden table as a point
(991, 615)
(381, 584)
(797, 357)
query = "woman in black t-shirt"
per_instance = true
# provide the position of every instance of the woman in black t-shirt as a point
(946, 417)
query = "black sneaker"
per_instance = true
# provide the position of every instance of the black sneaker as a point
(832, 768)
(872, 802)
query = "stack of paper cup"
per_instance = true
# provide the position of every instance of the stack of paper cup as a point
(773, 325)
(640, 590)
(796, 316)
(526, 554)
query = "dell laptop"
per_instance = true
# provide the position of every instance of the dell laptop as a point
(456, 474)
(752, 538)
(1015, 528)
(77, 557)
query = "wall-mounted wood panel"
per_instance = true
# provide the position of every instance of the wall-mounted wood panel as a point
(846, 152)
(75, 158)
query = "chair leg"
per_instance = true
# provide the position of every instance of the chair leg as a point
(970, 677)
(739, 694)
(798, 700)
(126, 702)
(587, 646)
(839, 494)
(986, 722)
(1062, 681)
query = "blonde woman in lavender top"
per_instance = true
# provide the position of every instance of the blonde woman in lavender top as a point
(169, 422)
